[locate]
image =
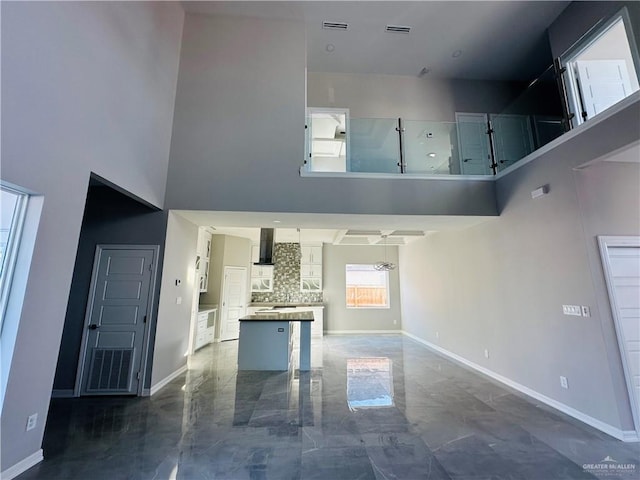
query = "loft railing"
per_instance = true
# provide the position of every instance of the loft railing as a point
(478, 143)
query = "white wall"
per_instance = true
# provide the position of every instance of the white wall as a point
(85, 87)
(411, 98)
(238, 133)
(337, 317)
(174, 320)
(501, 285)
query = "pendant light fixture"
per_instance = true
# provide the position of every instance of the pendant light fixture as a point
(385, 265)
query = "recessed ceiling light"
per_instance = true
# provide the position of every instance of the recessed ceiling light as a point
(431, 154)
(330, 47)
(276, 221)
(456, 54)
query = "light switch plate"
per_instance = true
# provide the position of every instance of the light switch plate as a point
(586, 311)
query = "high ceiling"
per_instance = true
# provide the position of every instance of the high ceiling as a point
(491, 40)
(486, 40)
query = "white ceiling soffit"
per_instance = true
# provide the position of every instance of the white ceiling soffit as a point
(499, 40)
(329, 228)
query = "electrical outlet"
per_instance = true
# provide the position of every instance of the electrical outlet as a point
(178, 300)
(572, 310)
(486, 353)
(32, 421)
(564, 383)
(438, 335)
(586, 311)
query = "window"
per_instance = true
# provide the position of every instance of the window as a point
(367, 287)
(601, 69)
(13, 208)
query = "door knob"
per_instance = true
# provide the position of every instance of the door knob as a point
(93, 326)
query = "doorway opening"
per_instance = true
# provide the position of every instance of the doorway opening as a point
(601, 69)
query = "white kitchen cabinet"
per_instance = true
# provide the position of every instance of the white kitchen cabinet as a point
(261, 275)
(203, 256)
(311, 254)
(311, 268)
(205, 328)
(317, 326)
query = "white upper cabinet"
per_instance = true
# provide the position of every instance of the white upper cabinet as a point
(203, 256)
(311, 268)
(261, 275)
(311, 254)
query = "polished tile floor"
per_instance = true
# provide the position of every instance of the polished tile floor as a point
(379, 407)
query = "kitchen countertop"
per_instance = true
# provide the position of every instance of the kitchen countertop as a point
(279, 316)
(207, 307)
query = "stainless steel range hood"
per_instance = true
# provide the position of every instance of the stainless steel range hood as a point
(267, 240)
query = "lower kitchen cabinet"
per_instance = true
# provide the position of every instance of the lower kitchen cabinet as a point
(205, 328)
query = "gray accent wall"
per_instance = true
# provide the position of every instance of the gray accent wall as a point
(501, 285)
(337, 317)
(238, 133)
(86, 87)
(110, 217)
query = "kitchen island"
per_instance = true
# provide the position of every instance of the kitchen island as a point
(265, 341)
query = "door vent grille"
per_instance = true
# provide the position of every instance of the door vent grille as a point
(397, 29)
(335, 25)
(110, 370)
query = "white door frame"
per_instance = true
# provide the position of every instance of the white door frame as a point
(87, 317)
(604, 243)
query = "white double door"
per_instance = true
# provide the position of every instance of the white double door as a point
(234, 301)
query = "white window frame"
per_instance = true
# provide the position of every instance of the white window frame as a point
(13, 244)
(584, 43)
(373, 270)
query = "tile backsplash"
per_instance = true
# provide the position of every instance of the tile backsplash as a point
(286, 278)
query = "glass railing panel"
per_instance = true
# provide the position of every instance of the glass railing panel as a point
(474, 150)
(531, 121)
(374, 145)
(433, 148)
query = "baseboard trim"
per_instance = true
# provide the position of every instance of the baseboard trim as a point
(22, 466)
(362, 332)
(162, 383)
(624, 435)
(62, 393)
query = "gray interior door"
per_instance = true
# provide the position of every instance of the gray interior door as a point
(116, 317)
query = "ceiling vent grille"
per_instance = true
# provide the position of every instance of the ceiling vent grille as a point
(335, 25)
(397, 29)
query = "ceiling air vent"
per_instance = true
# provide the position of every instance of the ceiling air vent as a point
(335, 26)
(397, 29)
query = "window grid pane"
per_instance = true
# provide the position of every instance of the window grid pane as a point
(366, 287)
